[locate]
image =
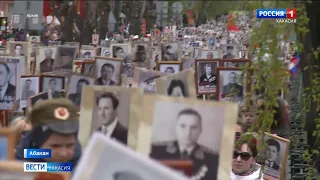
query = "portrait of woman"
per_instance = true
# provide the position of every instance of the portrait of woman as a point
(176, 88)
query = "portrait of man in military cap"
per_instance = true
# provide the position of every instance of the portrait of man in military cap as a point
(230, 51)
(184, 137)
(74, 91)
(146, 79)
(140, 52)
(170, 51)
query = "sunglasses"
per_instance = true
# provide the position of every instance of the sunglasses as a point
(243, 155)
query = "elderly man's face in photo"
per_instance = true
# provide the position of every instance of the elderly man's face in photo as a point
(27, 84)
(233, 78)
(271, 153)
(4, 75)
(208, 70)
(188, 129)
(210, 55)
(48, 53)
(52, 85)
(18, 49)
(106, 73)
(106, 113)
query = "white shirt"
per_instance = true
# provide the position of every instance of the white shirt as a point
(3, 91)
(254, 176)
(108, 130)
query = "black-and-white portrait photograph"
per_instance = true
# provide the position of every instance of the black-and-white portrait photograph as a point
(210, 54)
(107, 71)
(37, 98)
(46, 59)
(155, 59)
(105, 43)
(19, 48)
(111, 113)
(140, 52)
(170, 51)
(276, 154)
(169, 68)
(8, 85)
(196, 53)
(206, 76)
(130, 165)
(230, 51)
(145, 79)
(184, 132)
(74, 90)
(231, 85)
(187, 62)
(65, 57)
(105, 52)
(235, 63)
(87, 53)
(34, 39)
(88, 68)
(30, 86)
(120, 50)
(54, 84)
(54, 43)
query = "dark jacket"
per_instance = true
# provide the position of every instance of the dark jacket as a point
(120, 133)
(44, 67)
(204, 81)
(26, 144)
(10, 93)
(100, 82)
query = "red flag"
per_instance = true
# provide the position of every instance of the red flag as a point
(80, 7)
(231, 27)
(46, 8)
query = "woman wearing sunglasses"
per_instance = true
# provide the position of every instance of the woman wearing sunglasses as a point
(244, 166)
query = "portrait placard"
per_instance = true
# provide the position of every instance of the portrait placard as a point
(87, 68)
(120, 50)
(20, 50)
(65, 57)
(160, 133)
(230, 51)
(170, 67)
(239, 63)
(11, 170)
(210, 54)
(112, 160)
(121, 119)
(30, 87)
(54, 84)
(145, 79)
(74, 88)
(141, 52)
(232, 85)
(7, 144)
(37, 98)
(46, 59)
(179, 84)
(34, 39)
(276, 156)
(170, 52)
(105, 52)
(206, 82)
(87, 53)
(107, 71)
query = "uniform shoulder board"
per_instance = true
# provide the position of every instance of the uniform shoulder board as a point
(207, 150)
(163, 143)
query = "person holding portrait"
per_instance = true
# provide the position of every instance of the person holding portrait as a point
(106, 73)
(7, 90)
(106, 109)
(188, 128)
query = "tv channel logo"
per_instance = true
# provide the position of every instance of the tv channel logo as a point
(276, 13)
(47, 167)
(37, 153)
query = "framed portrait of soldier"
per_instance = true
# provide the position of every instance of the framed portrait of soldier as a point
(7, 144)
(170, 52)
(210, 54)
(18, 48)
(130, 165)
(37, 98)
(65, 57)
(52, 84)
(170, 67)
(162, 135)
(107, 71)
(9, 84)
(196, 53)
(112, 112)
(237, 63)
(46, 59)
(120, 50)
(232, 85)
(87, 53)
(145, 79)
(75, 84)
(34, 39)
(230, 51)
(206, 80)
(30, 86)
(140, 52)
(181, 84)
(87, 68)
(276, 156)
(105, 52)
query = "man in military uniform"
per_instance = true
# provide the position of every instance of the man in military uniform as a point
(233, 87)
(188, 129)
(27, 92)
(52, 88)
(209, 78)
(76, 97)
(229, 53)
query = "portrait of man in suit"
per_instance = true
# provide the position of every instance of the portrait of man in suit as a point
(7, 90)
(272, 154)
(47, 64)
(52, 86)
(229, 53)
(106, 109)
(209, 78)
(233, 87)
(18, 50)
(27, 91)
(188, 128)
(106, 73)
(76, 97)
(66, 55)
